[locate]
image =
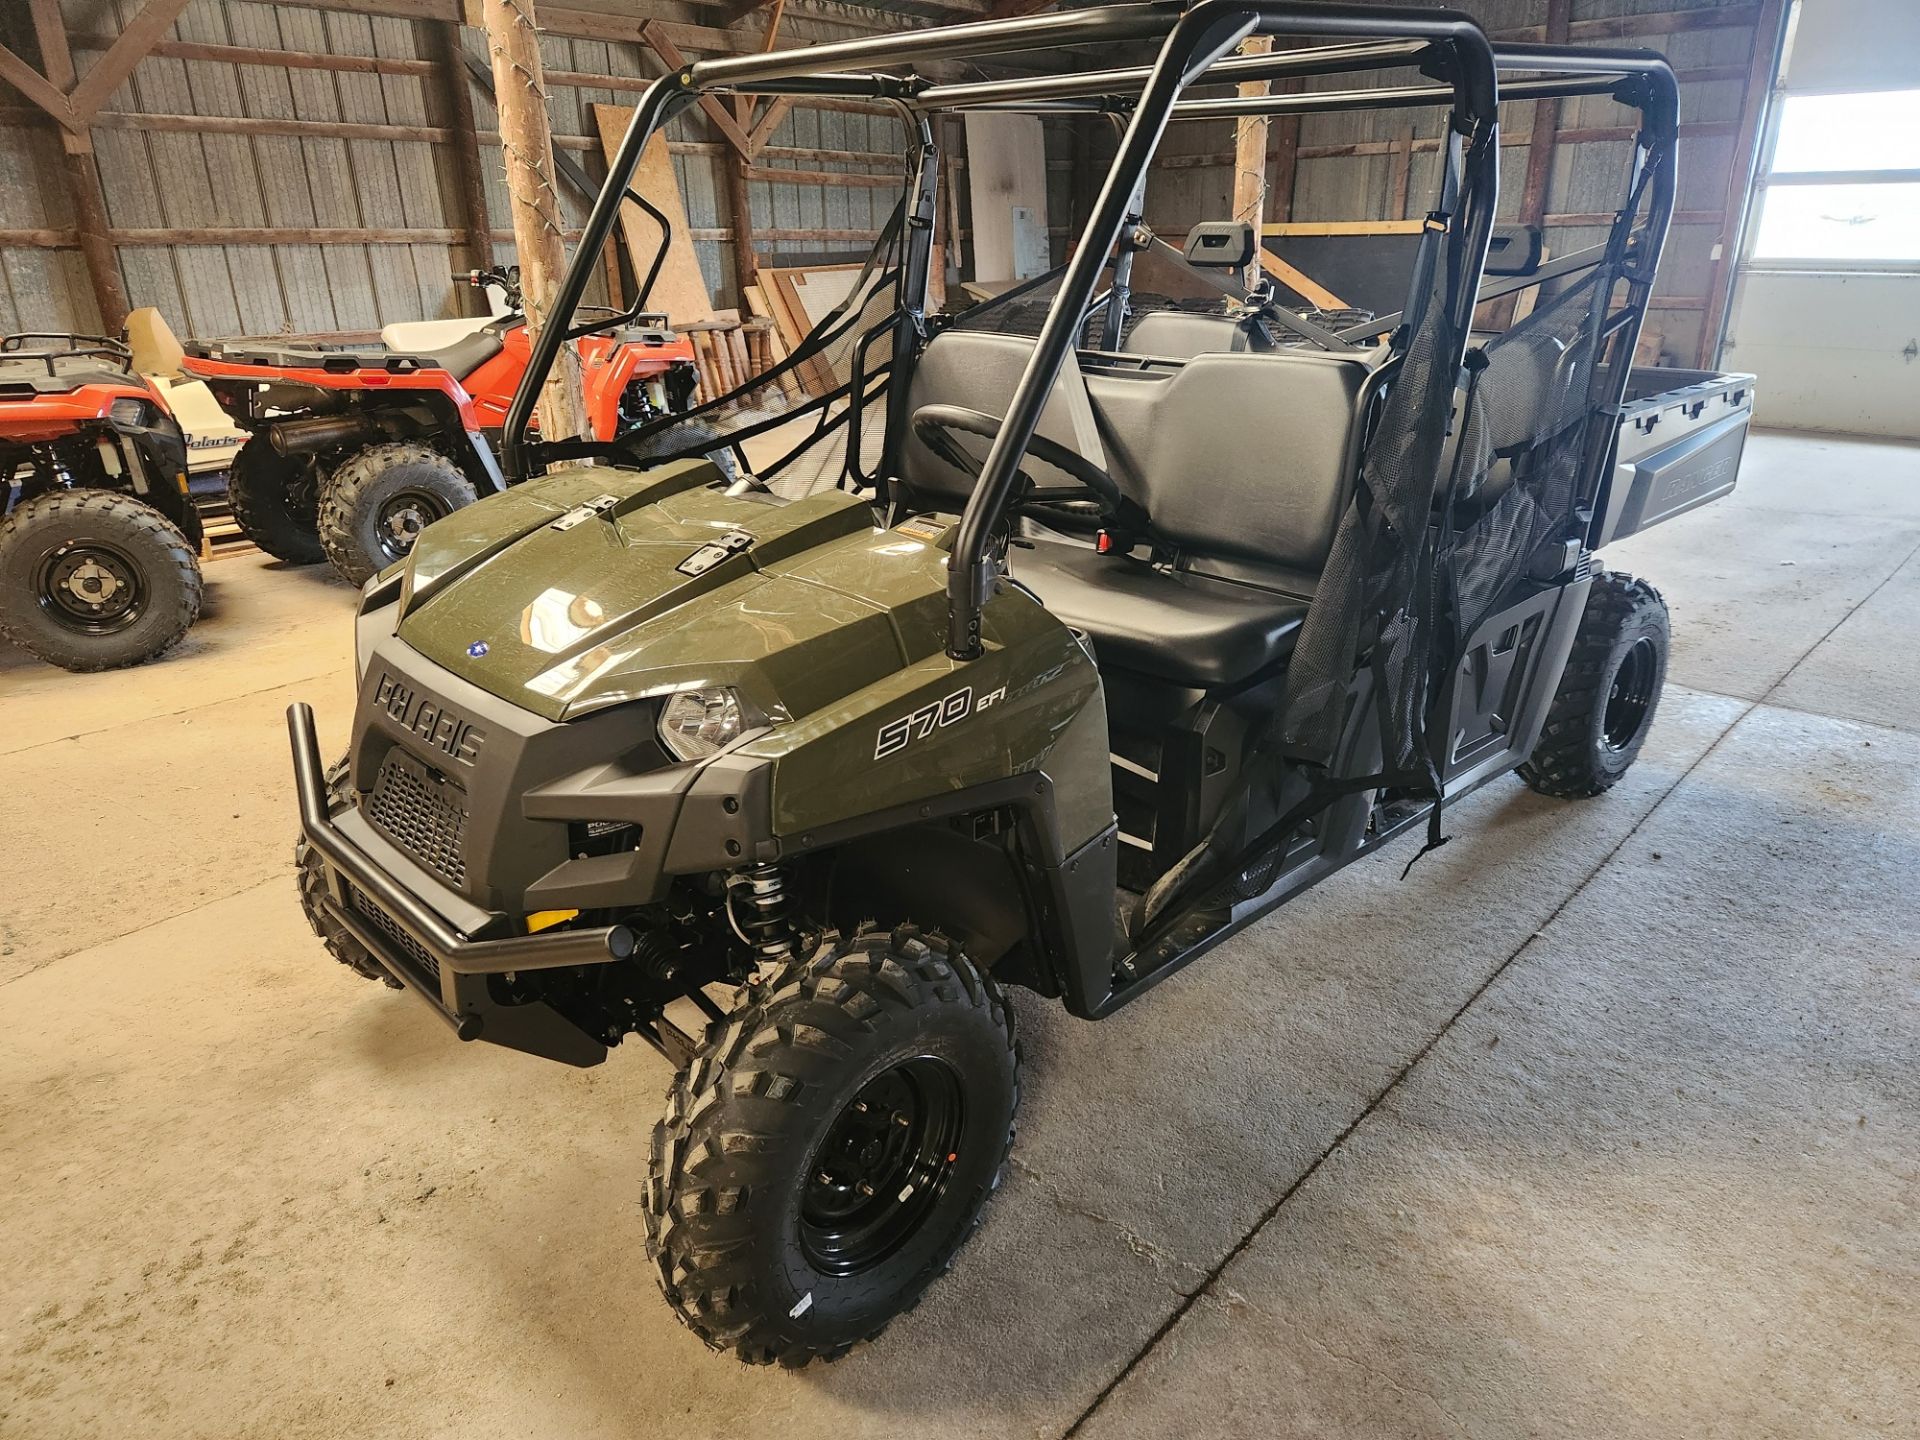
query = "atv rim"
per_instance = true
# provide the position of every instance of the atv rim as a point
(91, 587)
(886, 1161)
(1631, 696)
(403, 517)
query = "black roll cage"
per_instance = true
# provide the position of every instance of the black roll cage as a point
(1196, 39)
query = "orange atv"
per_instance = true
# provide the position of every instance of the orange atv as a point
(98, 547)
(355, 450)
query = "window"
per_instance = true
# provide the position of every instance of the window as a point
(1845, 185)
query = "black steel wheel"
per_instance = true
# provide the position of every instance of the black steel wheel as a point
(312, 879)
(374, 506)
(884, 1164)
(829, 1148)
(1609, 692)
(275, 500)
(94, 580)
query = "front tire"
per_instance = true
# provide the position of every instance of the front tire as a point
(1609, 692)
(828, 1149)
(375, 505)
(312, 878)
(275, 499)
(95, 580)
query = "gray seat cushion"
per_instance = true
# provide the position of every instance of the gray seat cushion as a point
(1184, 627)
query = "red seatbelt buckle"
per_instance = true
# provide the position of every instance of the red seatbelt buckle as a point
(1105, 544)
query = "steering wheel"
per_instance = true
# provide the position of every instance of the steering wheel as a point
(936, 425)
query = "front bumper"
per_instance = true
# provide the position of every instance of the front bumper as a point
(425, 951)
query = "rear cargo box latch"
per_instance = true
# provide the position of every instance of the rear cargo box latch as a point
(586, 510)
(714, 552)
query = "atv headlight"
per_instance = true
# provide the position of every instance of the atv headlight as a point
(128, 411)
(696, 723)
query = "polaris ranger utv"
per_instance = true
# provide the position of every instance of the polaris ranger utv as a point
(1130, 634)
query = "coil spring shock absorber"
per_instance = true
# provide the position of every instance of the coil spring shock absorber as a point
(762, 921)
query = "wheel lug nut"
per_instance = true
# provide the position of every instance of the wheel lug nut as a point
(900, 1119)
(864, 1188)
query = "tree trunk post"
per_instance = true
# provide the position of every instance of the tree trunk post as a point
(1250, 159)
(526, 144)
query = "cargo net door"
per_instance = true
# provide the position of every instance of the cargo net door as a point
(1466, 479)
(815, 419)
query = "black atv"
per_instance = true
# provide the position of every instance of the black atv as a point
(99, 563)
(1171, 625)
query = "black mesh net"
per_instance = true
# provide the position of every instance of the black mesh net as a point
(1412, 573)
(1521, 455)
(817, 418)
(1367, 597)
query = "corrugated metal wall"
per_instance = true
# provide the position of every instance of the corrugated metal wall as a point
(174, 179)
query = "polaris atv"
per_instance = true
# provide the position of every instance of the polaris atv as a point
(99, 563)
(355, 450)
(1160, 626)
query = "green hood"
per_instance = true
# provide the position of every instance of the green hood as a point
(593, 587)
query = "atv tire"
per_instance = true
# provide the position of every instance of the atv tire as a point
(378, 501)
(273, 500)
(829, 1147)
(1608, 695)
(312, 878)
(95, 580)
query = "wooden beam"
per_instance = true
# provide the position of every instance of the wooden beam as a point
(35, 86)
(526, 143)
(1300, 282)
(259, 55)
(1284, 162)
(769, 121)
(112, 69)
(656, 39)
(823, 177)
(469, 173)
(1250, 157)
(50, 29)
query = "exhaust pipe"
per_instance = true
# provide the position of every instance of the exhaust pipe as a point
(319, 432)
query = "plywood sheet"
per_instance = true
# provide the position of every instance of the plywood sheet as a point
(679, 290)
(1007, 170)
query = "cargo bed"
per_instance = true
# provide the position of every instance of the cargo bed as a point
(1677, 446)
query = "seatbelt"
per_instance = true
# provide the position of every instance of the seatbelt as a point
(1072, 388)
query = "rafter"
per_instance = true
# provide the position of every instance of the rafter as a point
(153, 21)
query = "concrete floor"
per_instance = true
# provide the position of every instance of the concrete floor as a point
(1605, 1122)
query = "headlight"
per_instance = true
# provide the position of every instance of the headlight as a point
(695, 723)
(128, 411)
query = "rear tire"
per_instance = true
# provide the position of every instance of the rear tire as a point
(95, 580)
(829, 1147)
(274, 502)
(376, 504)
(1608, 695)
(312, 878)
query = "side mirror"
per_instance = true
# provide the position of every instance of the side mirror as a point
(1515, 250)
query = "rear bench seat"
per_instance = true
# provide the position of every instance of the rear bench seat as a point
(1243, 461)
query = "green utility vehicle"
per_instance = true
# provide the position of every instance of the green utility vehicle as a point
(1101, 644)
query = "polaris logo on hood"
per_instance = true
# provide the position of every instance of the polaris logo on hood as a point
(449, 732)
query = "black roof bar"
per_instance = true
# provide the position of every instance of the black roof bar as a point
(1322, 60)
(1107, 24)
(1395, 98)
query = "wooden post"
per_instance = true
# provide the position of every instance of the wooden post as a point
(91, 228)
(468, 170)
(90, 223)
(746, 265)
(1250, 159)
(1286, 161)
(526, 142)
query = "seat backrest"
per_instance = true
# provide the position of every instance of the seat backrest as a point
(1182, 334)
(1247, 457)
(978, 369)
(1252, 456)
